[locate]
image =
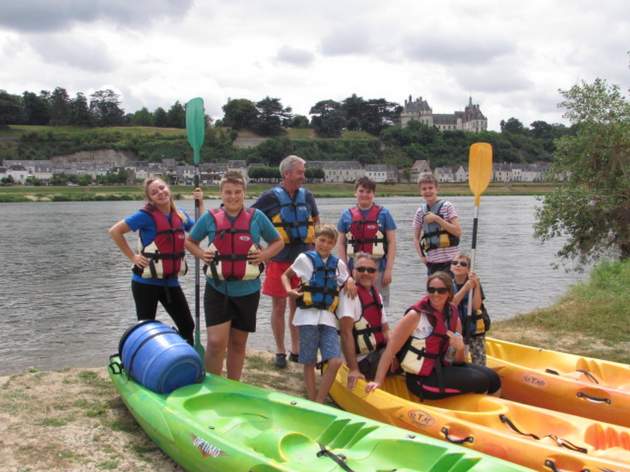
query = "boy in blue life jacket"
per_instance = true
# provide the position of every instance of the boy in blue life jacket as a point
(322, 275)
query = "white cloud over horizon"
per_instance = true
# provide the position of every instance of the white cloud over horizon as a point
(511, 57)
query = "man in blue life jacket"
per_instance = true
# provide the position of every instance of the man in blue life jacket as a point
(293, 211)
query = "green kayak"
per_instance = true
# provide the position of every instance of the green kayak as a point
(222, 425)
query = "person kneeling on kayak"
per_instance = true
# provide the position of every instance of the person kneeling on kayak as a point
(429, 345)
(362, 322)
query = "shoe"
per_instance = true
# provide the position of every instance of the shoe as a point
(281, 360)
(293, 357)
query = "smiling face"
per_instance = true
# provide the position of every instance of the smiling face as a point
(365, 197)
(158, 193)
(233, 197)
(295, 177)
(460, 266)
(324, 245)
(364, 271)
(428, 191)
(439, 287)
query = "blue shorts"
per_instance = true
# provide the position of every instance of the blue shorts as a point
(314, 337)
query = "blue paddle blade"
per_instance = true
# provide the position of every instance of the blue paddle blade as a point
(195, 126)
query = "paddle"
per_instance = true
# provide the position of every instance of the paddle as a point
(196, 128)
(479, 175)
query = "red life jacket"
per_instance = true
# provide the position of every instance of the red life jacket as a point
(437, 343)
(169, 239)
(363, 233)
(233, 242)
(370, 336)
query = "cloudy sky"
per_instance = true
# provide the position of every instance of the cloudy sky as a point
(510, 56)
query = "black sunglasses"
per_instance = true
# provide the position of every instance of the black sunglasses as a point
(461, 263)
(369, 270)
(440, 290)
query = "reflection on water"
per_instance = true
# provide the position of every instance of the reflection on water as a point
(66, 295)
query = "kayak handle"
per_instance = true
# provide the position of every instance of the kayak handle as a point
(593, 398)
(114, 367)
(550, 464)
(467, 439)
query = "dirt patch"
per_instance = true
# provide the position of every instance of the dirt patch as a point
(74, 420)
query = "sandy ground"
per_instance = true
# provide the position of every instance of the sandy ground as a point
(73, 420)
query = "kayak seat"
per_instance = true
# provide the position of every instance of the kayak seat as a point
(607, 439)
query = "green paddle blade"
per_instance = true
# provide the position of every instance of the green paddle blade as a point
(479, 169)
(195, 126)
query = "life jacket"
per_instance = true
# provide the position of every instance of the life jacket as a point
(366, 234)
(292, 217)
(232, 244)
(433, 236)
(321, 291)
(166, 252)
(478, 323)
(421, 356)
(368, 329)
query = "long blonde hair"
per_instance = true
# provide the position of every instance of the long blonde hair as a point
(147, 184)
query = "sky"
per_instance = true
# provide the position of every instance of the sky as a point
(511, 57)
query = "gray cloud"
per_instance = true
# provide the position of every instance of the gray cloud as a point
(455, 49)
(87, 54)
(492, 79)
(295, 56)
(45, 16)
(345, 42)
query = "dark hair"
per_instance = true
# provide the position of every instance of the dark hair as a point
(445, 279)
(366, 183)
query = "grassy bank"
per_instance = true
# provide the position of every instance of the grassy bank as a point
(20, 193)
(592, 319)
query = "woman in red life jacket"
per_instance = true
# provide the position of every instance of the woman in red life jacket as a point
(159, 259)
(430, 348)
(234, 261)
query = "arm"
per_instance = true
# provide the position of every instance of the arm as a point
(417, 234)
(476, 284)
(286, 283)
(452, 226)
(391, 256)
(117, 233)
(263, 255)
(198, 196)
(456, 341)
(192, 246)
(398, 337)
(341, 247)
(346, 323)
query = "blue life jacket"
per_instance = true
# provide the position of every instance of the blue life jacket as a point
(321, 291)
(478, 323)
(433, 236)
(293, 218)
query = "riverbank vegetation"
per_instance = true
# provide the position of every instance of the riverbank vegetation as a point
(21, 193)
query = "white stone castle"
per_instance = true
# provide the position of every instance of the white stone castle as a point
(471, 119)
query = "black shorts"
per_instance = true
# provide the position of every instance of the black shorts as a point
(241, 311)
(456, 379)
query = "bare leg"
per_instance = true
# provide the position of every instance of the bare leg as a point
(278, 307)
(216, 347)
(328, 378)
(309, 381)
(293, 330)
(236, 353)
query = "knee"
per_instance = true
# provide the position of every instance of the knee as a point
(237, 345)
(335, 363)
(494, 382)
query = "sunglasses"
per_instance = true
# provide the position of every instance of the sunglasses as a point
(369, 270)
(440, 290)
(459, 263)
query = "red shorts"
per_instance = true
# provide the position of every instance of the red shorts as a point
(272, 285)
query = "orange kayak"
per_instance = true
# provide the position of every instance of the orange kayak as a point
(533, 437)
(573, 384)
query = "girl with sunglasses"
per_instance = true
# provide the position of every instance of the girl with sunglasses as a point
(430, 348)
(474, 327)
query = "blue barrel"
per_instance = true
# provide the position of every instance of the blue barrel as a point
(156, 356)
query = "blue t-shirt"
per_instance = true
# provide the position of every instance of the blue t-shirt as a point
(385, 222)
(267, 203)
(142, 222)
(261, 227)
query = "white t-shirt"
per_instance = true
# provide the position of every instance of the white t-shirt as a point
(424, 328)
(303, 268)
(351, 308)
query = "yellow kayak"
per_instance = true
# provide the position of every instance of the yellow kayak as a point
(564, 382)
(530, 436)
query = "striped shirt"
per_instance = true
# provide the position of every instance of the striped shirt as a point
(448, 213)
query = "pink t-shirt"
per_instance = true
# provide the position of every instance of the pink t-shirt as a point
(448, 213)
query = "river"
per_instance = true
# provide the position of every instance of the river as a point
(66, 297)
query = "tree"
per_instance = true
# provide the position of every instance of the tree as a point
(105, 107)
(36, 109)
(512, 125)
(592, 207)
(10, 109)
(354, 110)
(240, 113)
(142, 117)
(271, 116)
(59, 107)
(79, 111)
(160, 119)
(299, 121)
(328, 118)
(176, 116)
(378, 114)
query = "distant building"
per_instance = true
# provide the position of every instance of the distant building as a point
(339, 171)
(418, 167)
(471, 119)
(381, 173)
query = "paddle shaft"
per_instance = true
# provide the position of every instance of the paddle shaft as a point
(197, 278)
(472, 256)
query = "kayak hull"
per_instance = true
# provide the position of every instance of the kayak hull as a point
(221, 425)
(476, 422)
(554, 380)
